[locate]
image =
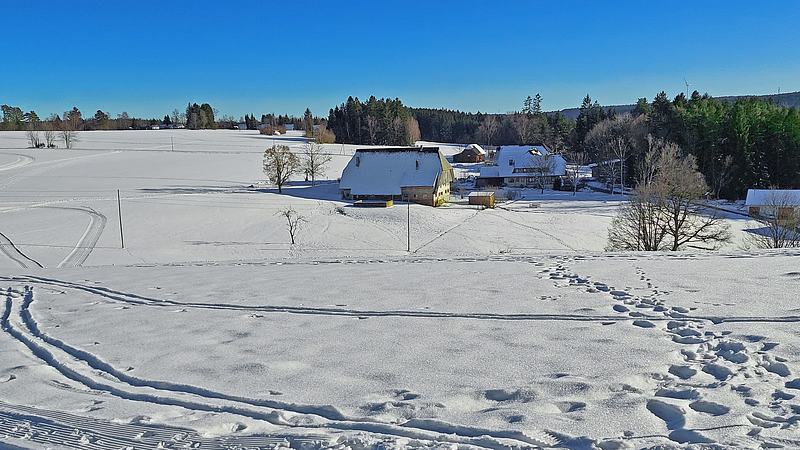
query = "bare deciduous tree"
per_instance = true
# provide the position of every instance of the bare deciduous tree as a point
(664, 212)
(279, 165)
(543, 167)
(578, 159)
(488, 128)
(721, 171)
(614, 140)
(372, 129)
(293, 222)
(315, 161)
(49, 133)
(33, 134)
(69, 127)
(682, 186)
(779, 218)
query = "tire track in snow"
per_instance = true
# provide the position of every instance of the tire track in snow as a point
(22, 160)
(9, 249)
(82, 372)
(550, 235)
(87, 242)
(440, 235)
(44, 166)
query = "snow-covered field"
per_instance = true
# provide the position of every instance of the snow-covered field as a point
(502, 328)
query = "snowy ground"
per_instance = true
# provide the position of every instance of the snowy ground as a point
(503, 328)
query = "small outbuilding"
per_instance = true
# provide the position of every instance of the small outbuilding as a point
(473, 153)
(484, 198)
(780, 204)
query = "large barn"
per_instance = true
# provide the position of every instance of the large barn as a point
(417, 174)
(523, 166)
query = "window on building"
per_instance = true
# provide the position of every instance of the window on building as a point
(358, 161)
(510, 162)
(417, 164)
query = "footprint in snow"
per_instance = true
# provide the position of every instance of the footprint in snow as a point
(782, 395)
(682, 372)
(711, 408)
(568, 407)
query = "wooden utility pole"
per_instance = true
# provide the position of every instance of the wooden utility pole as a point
(119, 215)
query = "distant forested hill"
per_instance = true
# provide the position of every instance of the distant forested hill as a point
(788, 100)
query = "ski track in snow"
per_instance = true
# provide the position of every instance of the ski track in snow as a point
(731, 361)
(22, 160)
(85, 245)
(90, 371)
(150, 301)
(41, 167)
(83, 248)
(9, 249)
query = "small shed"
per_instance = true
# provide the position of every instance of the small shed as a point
(376, 203)
(473, 153)
(485, 198)
(780, 204)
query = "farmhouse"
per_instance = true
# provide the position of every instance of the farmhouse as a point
(522, 166)
(783, 205)
(474, 153)
(417, 174)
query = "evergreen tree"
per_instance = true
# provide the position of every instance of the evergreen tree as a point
(527, 106)
(642, 107)
(536, 106)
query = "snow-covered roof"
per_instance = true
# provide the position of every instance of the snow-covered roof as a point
(772, 197)
(523, 160)
(480, 194)
(477, 147)
(384, 171)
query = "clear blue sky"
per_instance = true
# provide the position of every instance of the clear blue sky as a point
(148, 57)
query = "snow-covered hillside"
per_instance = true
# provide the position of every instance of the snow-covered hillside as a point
(505, 328)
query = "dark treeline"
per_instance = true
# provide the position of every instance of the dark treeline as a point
(374, 122)
(746, 143)
(16, 120)
(389, 122)
(195, 116)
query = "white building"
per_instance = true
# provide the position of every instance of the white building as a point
(780, 204)
(523, 166)
(416, 174)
